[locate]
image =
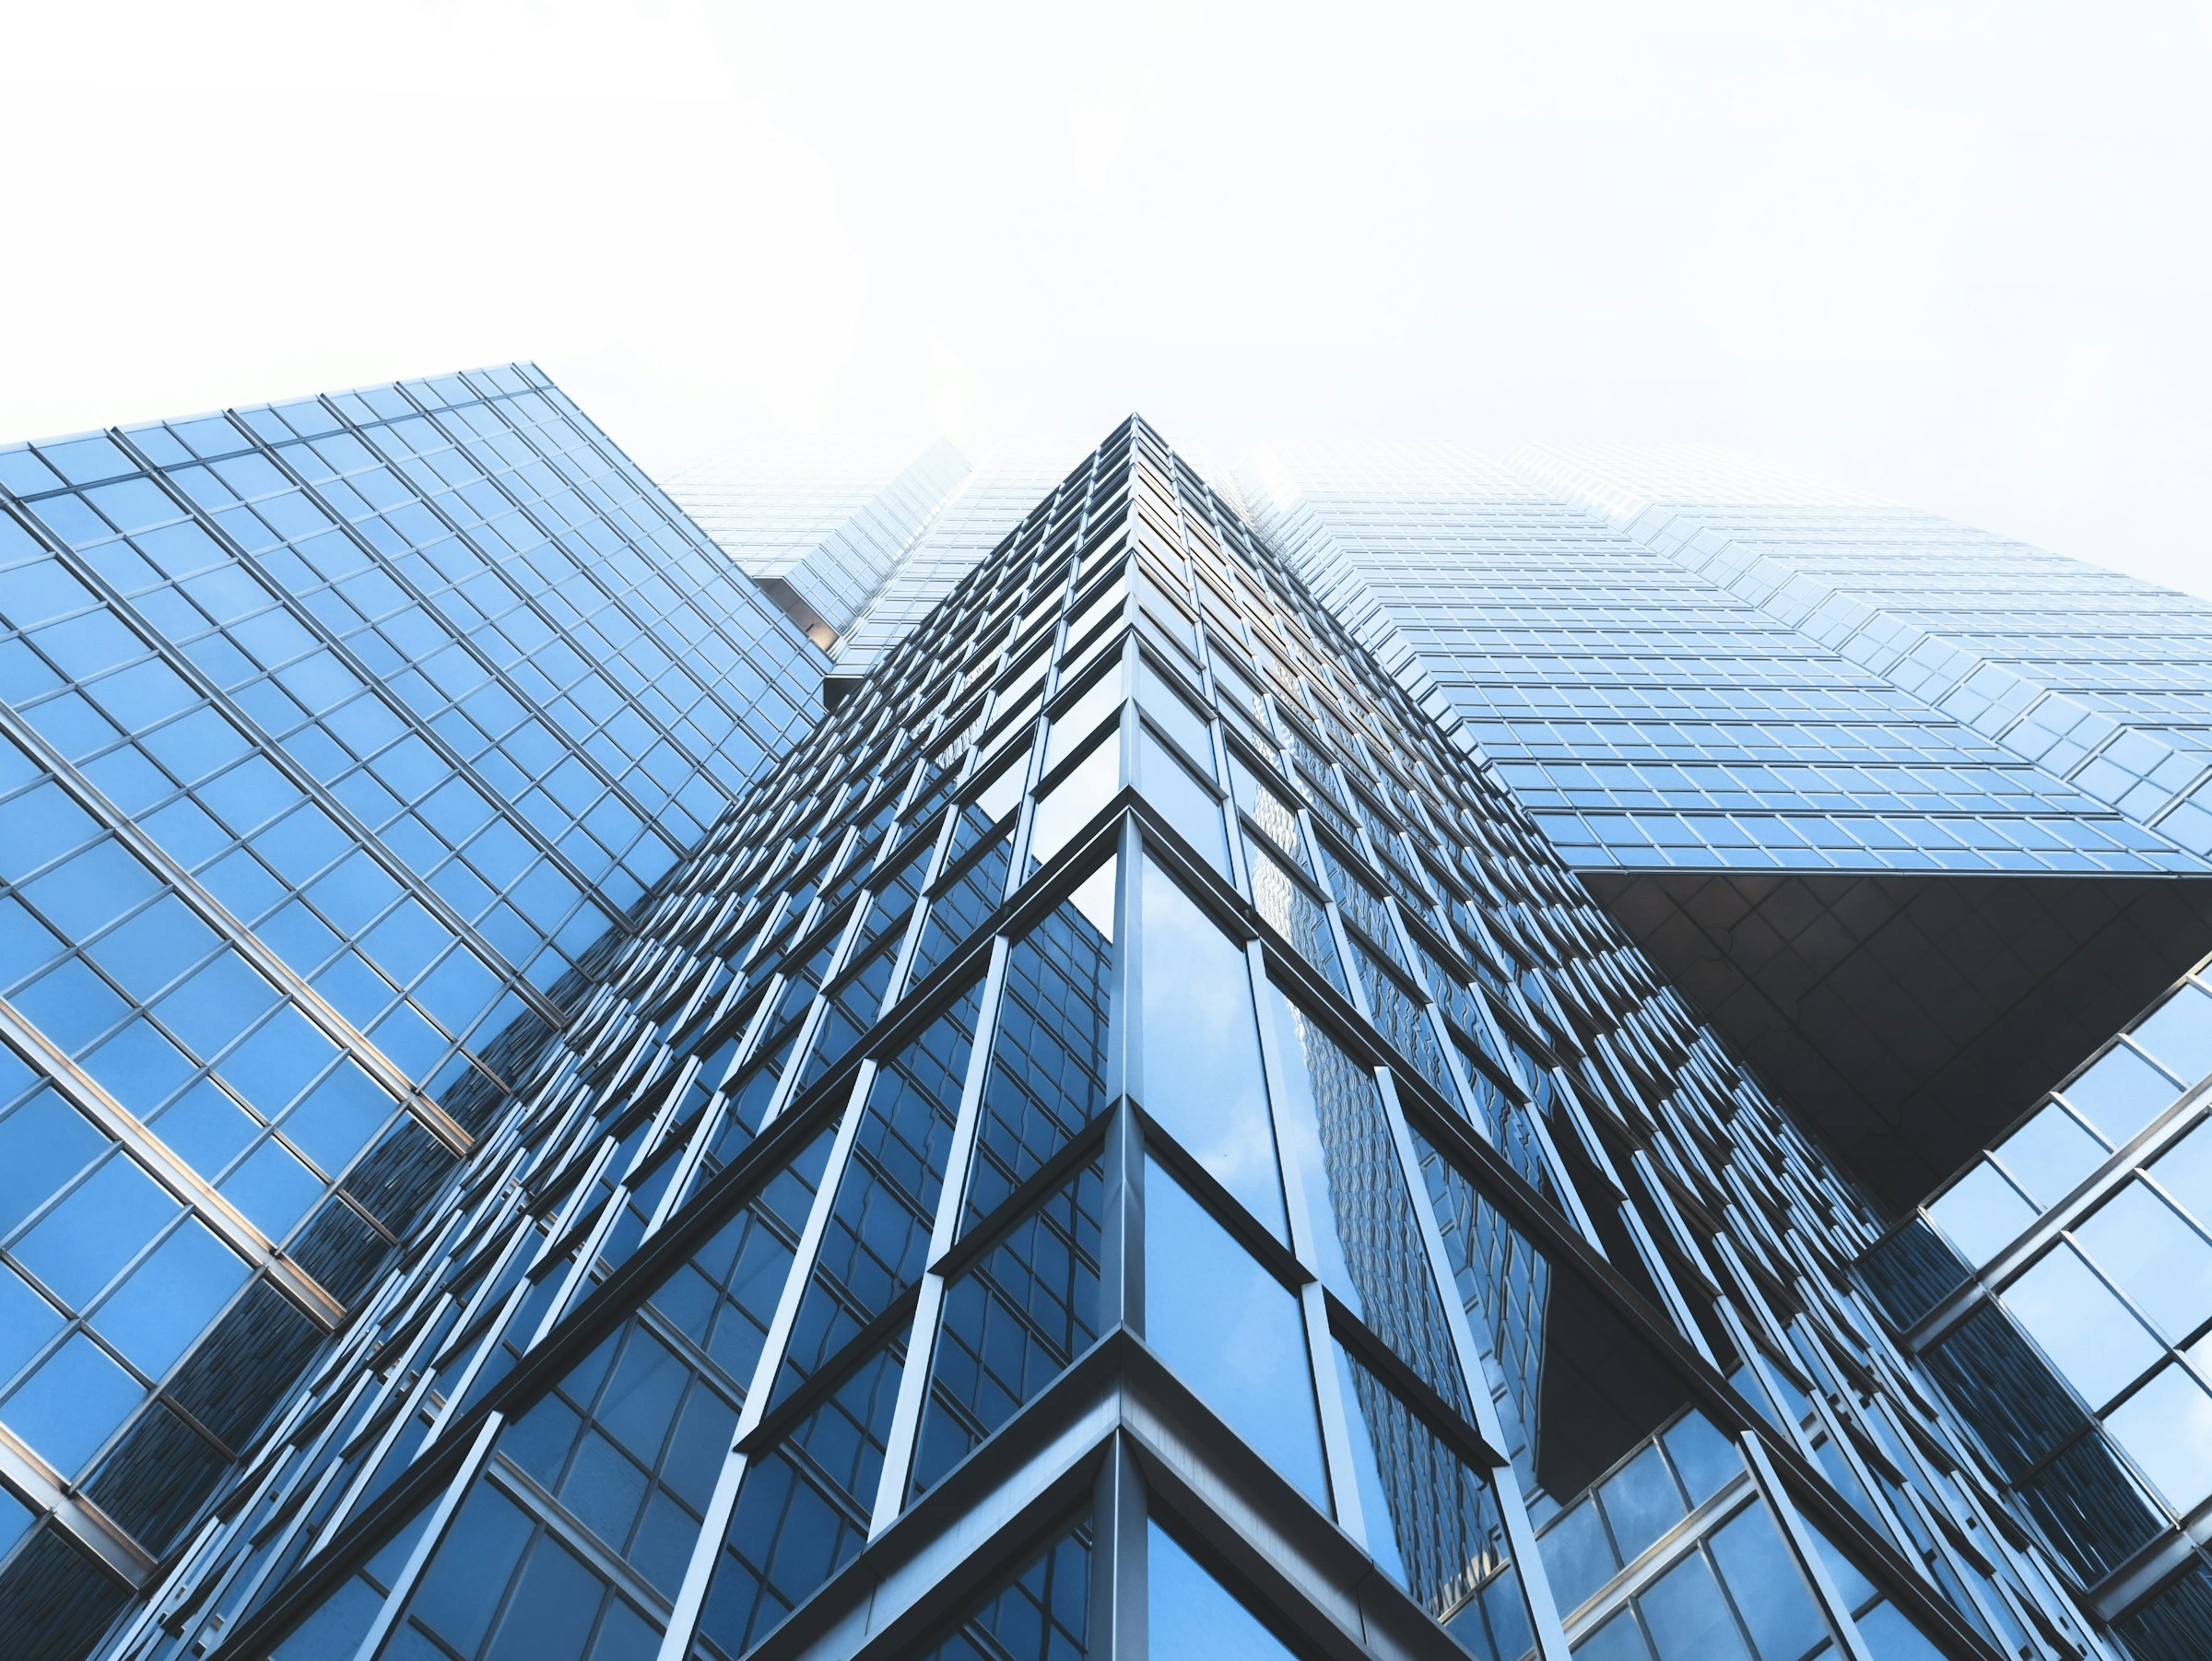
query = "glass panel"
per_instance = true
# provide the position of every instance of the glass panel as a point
(1367, 1238)
(1295, 915)
(71, 1405)
(1174, 714)
(2050, 1154)
(880, 1225)
(1187, 805)
(1077, 721)
(1433, 1521)
(631, 1443)
(1048, 1050)
(1202, 1074)
(2184, 1171)
(803, 1509)
(1577, 1389)
(170, 1298)
(1073, 802)
(1767, 1589)
(2179, 1032)
(2166, 1428)
(2122, 1093)
(1686, 1616)
(2162, 1263)
(1041, 1612)
(2081, 1326)
(1230, 1331)
(42, 1144)
(107, 1219)
(1983, 1213)
(1640, 1503)
(1188, 1614)
(1012, 1323)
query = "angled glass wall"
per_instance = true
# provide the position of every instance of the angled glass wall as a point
(1125, 1139)
(337, 740)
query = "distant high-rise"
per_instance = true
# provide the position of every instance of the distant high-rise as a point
(1490, 1061)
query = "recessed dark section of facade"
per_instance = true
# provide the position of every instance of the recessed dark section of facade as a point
(1908, 1020)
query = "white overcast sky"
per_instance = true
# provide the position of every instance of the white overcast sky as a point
(1955, 253)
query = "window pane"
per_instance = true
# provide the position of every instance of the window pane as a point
(1230, 1331)
(1070, 803)
(1048, 1051)
(1368, 1240)
(71, 1403)
(2179, 1032)
(2050, 1154)
(1187, 805)
(1188, 1614)
(1202, 1074)
(1688, 1619)
(1768, 1587)
(2162, 1263)
(2081, 1326)
(1433, 1521)
(2166, 1428)
(170, 1297)
(1983, 1213)
(2122, 1093)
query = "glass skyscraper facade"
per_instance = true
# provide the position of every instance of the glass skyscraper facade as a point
(337, 738)
(1195, 1073)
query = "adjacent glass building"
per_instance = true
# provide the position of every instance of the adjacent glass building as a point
(338, 740)
(1155, 1112)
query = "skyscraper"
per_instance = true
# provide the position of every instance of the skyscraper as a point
(1162, 1120)
(335, 738)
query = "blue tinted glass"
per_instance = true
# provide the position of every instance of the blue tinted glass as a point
(1186, 804)
(1231, 1330)
(1619, 1640)
(207, 1127)
(2166, 1428)
(1188, 1614)
(27, 1321)
(1432, 1521)
(71, 1403)
(42, 1144)
(549, 1617)
(2179, 1032)
(1640, 1503)
(1703, 1457)
(78, 1246)
(339, 1117)
(461, 1589)
(2050, 1154)
(1687, 1618)
(169, 1298)
(2184, 1171)
(2122, 1093)
(1578, 1558)
(2162, 1263)
(1982, 1212)
(1070, 803)
(2081, 1326)
(273, 1188)
(1768, 1591)
(1202, 1074)
(1890, 1637)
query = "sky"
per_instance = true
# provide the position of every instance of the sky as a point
(1957, 255)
